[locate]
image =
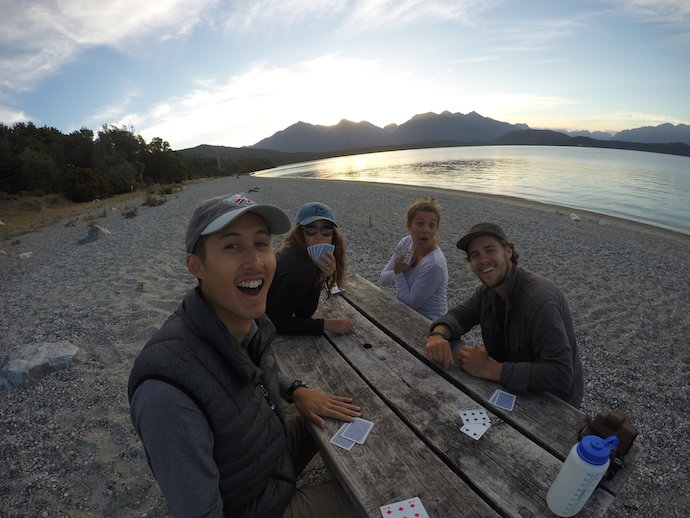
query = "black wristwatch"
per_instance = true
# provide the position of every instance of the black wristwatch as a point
(291, 389)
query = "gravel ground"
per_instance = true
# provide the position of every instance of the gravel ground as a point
(68, 448)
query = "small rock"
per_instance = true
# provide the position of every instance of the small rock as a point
(574, 216)
(95, 232)
(26, 364)
(26, 255)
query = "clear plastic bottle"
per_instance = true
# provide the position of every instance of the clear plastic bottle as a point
(582, 470)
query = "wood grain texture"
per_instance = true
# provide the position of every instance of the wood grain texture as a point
(547, 420)
(393, 464)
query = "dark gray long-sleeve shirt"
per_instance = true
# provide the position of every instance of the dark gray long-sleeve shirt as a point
(531, 333)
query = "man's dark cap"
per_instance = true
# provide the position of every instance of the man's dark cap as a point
(481, 229)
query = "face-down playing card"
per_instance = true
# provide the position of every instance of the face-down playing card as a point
(358, 430)
(503, 400)
(318, 251)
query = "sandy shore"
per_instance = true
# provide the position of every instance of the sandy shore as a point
(68, 448)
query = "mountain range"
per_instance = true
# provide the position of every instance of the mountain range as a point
(304, 141)
(471, 128)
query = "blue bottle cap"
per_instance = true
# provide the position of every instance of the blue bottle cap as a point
(596, 450)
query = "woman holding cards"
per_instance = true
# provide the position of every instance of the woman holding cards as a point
(311, 259)
(417, 266)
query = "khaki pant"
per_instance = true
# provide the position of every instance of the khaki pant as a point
(325, 500)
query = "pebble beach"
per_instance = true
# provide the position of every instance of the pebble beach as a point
(67, 445)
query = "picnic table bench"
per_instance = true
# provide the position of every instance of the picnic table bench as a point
(415, 447)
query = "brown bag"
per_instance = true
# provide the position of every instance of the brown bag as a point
(609, 423)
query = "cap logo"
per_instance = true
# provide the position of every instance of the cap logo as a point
(316, 209)
(238, 200)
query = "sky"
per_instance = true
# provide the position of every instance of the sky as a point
(234, 72)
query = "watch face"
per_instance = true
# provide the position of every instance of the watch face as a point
(295, 384)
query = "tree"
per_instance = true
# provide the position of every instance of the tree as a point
(79, 148)
(115, 144)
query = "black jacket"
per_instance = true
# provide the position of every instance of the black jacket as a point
(238, 391)
(532, 333)
(294, 294)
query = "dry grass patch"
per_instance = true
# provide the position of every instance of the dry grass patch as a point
(32, 213)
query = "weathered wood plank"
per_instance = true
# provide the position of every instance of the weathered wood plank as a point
(543, 417)
(508, 469)
(393, 464)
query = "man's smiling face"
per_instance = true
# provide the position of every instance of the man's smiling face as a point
(236, 271)
(490, 260)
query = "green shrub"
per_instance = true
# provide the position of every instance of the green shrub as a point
(81, 184)
(119, 184)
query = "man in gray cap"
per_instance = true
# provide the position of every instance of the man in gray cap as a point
(205, 392)
(525, 321)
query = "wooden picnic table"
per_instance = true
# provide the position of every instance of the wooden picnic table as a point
(415, 447)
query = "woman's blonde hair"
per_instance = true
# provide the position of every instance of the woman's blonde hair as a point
(424, 204)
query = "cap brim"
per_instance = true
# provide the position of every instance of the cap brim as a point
(464, 241)
(311, 219)
(276, 219)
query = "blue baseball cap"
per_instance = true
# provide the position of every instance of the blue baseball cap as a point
(314, 211)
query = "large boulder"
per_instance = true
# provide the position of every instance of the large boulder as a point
(27, 364)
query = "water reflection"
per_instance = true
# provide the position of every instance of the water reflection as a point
(648, 187)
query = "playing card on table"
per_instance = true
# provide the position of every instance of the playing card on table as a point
(475, 430)
(410, 508)
(474, 416)
(341, 441)
(474, 422)
(503, 400)
(358, 430)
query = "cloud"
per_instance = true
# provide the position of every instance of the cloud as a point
(667, 12)
(263, 100)
(10, 116)
(351, 16)
(39, 37)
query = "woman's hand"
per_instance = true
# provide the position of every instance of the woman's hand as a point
(337, 326)
(327, 265)
(400, 265)
(314, 405)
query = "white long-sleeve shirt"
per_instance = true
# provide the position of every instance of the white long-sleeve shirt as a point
(423, 287)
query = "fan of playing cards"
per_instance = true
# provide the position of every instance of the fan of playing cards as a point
(316, 252)
(405, 252)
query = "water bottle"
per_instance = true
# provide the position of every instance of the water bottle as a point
(582, 470)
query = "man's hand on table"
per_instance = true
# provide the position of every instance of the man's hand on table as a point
(315, 405)
(438, 347)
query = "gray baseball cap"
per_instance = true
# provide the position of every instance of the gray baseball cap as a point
(216, 213)
(481, 229)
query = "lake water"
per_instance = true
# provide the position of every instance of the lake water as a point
(651, 188)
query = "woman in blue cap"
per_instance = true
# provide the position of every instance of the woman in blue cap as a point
(300, 277)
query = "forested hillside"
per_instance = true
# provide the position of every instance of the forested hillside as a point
(83, 166)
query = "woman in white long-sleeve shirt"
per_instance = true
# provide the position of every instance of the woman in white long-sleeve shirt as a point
(418, 266)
